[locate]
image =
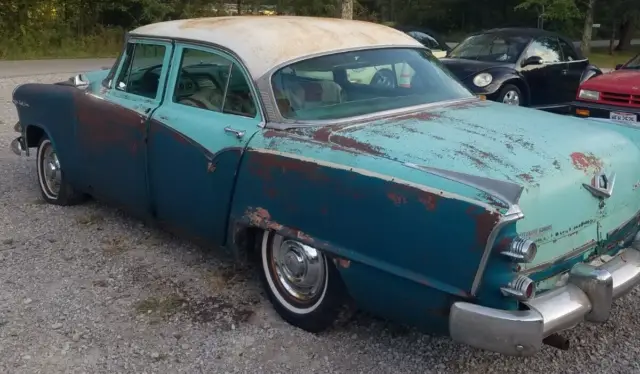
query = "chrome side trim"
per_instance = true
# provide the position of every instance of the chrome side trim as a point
(588, 295)
(513, 214)
(508, 192)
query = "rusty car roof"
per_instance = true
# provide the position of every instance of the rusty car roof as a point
(263, 43)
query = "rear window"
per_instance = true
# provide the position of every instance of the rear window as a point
(363, 82)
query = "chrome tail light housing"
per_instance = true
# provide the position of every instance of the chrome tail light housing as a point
(520, 249)
(521, 288)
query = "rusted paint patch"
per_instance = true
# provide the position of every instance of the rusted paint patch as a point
(101, 121)
(396, 198)
(485, 222)
(357, 145)
(342, 262)
(429, 202)
(492, 200)
(586, 162)
(520, 141)
(526, 177)
(260, 217)
(476, 161)
(556, 164)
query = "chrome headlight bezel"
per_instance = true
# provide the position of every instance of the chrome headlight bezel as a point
(483, 79)
(589, 94)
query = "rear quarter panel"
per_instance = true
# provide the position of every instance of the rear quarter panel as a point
(404, 251)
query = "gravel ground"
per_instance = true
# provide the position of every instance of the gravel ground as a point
(88, 289)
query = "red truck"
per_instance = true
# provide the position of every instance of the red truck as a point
(614, 96)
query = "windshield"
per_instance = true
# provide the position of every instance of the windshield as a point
(356, 83)
(634, 64)
(491, 48)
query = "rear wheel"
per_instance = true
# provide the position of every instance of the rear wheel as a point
(53, 185)
(301, 282)
(510, 95)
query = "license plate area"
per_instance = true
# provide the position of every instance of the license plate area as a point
(624, 117)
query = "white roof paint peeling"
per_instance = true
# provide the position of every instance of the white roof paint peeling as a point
(264, 42)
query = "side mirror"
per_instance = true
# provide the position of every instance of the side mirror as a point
(533, 60)
(79, 81)
(619, 66)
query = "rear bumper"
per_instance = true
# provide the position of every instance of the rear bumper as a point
(588, 295)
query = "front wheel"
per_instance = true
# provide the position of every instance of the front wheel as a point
(510, 95)
(53, 185)
(301, 282)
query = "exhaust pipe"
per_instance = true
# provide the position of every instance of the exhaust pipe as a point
(557, 341)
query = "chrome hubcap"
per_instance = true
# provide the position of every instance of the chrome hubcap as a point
(511, 98)
(51, 170)
(300, 269)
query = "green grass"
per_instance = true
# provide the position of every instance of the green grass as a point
(601, 57)
(51, 44)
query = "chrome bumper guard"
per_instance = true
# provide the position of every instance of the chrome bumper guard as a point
(588, 295)
(18, 146)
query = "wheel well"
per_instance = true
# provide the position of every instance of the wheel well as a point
(33, 135)
(521, 86)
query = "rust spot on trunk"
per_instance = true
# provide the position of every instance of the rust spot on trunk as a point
(526, 177)
(586, 162)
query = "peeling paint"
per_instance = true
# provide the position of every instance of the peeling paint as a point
(586, 162)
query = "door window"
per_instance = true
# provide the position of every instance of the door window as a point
(568, 52)
(547, 48)
(141, 69)
(209, 81)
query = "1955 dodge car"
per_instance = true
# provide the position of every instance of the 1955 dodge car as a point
(497, 225)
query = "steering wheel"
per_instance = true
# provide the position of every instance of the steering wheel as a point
(183, 73)
(384, 78)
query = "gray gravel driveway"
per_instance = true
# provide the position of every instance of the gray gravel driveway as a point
(89, 290)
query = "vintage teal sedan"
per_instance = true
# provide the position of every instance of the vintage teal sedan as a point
(417, 201)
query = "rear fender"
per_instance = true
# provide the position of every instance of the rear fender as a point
(388, 236)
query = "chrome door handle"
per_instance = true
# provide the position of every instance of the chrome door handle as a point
(239, 134)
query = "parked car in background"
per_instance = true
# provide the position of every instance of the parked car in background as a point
(521, 66)
(614, 96)
(424, 204)
(428, 38)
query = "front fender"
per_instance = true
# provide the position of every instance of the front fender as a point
(51, 109)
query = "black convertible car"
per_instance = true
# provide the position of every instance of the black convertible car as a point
(521, 66)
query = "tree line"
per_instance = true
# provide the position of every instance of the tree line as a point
(74, 23)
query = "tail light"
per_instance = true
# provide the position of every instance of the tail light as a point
(520, 249)
(521, 288)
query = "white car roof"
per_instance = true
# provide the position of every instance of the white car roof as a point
(264, 42)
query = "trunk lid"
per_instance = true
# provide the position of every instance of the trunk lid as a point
(551, 155)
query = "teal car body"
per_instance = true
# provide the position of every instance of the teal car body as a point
(498, 225)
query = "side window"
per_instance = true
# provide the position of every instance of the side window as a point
(568, 52)
(209, 81)
(141, 69)
(547, 48)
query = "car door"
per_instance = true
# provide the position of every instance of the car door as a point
(543, 79)
(113, 124)
(572, 73)
(196, 141)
